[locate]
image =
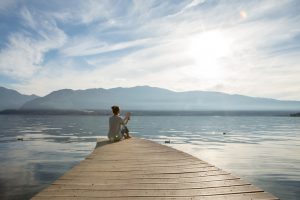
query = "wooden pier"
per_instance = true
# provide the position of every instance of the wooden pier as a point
(142, 169)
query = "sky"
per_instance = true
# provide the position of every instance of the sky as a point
(233, 46)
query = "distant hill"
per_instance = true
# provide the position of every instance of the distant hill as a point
(151, 98)
(11, 99)
(295, 114)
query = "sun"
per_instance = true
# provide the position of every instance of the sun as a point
(206, 51)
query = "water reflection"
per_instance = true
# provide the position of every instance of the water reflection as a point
(262, 150)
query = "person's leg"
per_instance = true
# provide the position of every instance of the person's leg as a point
(123, 133)
(127, 136)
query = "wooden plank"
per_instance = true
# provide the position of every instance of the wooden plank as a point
(115, 198)
(151, 165)
(245, 196)
(120, 175)
(154, 193)
(147, 171)
(186, 177)
(142, 169)
(148, 186)
(129, 180)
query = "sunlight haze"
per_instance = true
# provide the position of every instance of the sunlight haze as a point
(237, 47)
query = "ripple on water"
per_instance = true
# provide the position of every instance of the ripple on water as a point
(263, 150)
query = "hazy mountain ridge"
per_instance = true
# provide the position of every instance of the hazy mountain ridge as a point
(151, 98)
(11, 99)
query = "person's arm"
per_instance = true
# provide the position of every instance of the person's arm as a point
(127, 118)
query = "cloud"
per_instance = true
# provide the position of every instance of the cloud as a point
(192, 45)
(24, 53)
(88, 47)
(6, 5)
(83, 12)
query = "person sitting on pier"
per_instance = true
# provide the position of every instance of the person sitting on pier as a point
(115, 132)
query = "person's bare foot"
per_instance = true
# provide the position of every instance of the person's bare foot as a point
(127, 136)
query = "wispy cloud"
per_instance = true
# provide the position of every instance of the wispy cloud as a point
(24, 53)
(93, 47)
(7, 5)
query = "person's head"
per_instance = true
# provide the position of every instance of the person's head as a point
(115, 110)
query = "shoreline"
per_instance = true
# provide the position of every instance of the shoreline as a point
(280, 113)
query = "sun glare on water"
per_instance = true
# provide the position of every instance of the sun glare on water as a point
(206, 50)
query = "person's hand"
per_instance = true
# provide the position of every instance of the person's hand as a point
(128, 114)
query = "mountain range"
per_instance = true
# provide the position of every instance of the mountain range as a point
(11, 99)
(140, 98)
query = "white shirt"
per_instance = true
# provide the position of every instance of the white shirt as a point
(114, 133)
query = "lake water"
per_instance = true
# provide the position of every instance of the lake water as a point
(262, 150)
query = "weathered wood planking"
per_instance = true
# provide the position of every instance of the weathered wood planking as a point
(142, 169)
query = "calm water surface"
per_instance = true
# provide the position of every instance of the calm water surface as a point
(262, 150)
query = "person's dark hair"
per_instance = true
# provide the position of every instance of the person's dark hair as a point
(115, 109)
